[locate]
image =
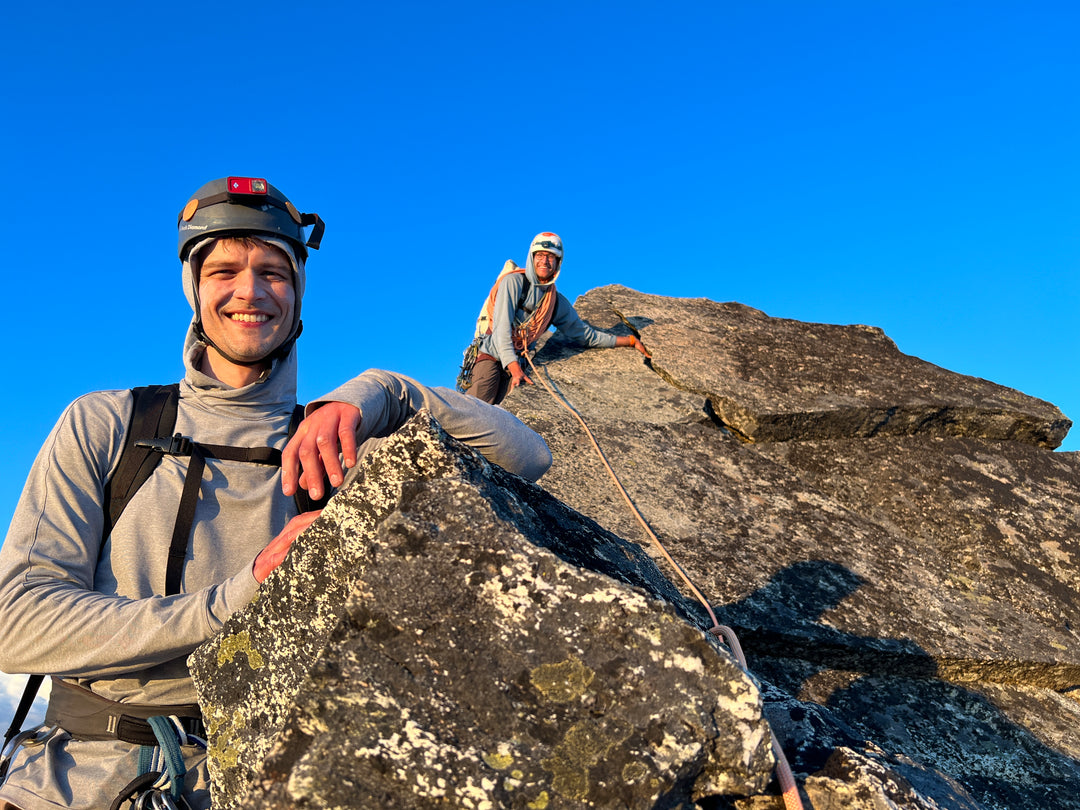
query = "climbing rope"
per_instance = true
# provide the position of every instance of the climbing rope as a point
(789, 789)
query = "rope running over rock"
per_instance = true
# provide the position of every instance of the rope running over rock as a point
(792, 800)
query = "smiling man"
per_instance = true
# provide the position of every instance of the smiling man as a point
(108, 584)
(246, 303)
(521, 307)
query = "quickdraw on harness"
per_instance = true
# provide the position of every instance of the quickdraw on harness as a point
(524, 334)
(160, 783)
(788, 787)
(79, 711)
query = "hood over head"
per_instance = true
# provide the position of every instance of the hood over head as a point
(190, 280)
(551, 243)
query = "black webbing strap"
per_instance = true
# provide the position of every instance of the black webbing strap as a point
(153, 413)
(185, 514)
(33, 683)
(134, 788)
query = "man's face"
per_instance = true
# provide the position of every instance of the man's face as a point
(546, 265)
(246, 299)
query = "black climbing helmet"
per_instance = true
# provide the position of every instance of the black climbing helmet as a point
(245, 206)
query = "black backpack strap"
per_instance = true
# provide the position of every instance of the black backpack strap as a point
(189, 498)
(149, 437)
(153, 415)
(33, 684)
(185, 515)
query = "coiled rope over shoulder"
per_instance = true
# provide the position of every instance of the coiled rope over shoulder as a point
(790, 790)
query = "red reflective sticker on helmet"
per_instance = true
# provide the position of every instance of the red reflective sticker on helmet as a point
(246, 185)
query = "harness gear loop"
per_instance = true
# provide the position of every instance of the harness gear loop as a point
(790, 790)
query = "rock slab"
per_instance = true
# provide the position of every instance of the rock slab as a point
(447, 634)
(896, 544)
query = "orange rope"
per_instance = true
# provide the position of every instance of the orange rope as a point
(790, 790)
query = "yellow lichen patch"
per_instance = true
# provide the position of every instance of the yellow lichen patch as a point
(221, 730)
(237, 643)
(585, 744)
(499, 762)
(564, 681)
(634, 772)
(540, 802)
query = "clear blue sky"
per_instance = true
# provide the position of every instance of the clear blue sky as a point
(911, 165)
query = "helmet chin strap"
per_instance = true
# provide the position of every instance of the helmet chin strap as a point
(276, 354)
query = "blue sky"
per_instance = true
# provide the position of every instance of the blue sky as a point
(910, 165)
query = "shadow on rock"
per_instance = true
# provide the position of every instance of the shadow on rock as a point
(829, 693)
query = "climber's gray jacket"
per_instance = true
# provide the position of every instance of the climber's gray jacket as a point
(506, 313)
(94, 613)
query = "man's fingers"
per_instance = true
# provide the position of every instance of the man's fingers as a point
(311, 461)
(291, 475)
(316, 451)
(330, 460)
(274, 553)
(347, 437)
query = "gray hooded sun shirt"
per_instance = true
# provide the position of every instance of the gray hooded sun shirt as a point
(506, 314)
(92, 611)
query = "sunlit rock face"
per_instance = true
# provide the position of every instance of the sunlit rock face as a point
(448, 634)
(895, 544)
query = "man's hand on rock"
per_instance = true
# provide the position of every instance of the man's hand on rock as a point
(271, 556)
(517, 376)
(632, 340)
(322, 441)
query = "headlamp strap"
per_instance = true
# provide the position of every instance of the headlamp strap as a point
(303, 220)
(315, 239)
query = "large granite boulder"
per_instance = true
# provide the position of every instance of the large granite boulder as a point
(895, 544)
(447, 634)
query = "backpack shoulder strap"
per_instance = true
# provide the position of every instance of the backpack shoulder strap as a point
(33, 684)
(484, 319)
(153, 416)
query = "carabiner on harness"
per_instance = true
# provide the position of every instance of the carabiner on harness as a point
(156, 800)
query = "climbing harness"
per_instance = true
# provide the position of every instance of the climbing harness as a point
(789, 788)
(160, 731)
(160, 783)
